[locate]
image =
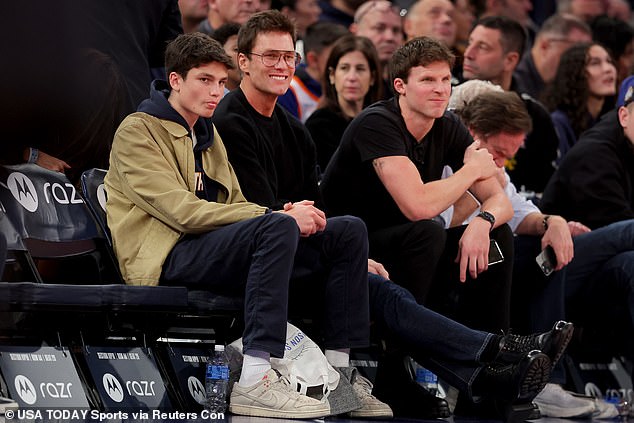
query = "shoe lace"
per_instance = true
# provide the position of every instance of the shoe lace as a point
(362, 386)
(520, 343)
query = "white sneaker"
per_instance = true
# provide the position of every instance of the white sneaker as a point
(6, 403)
(274, 397)
(553, 401)
(370, 406)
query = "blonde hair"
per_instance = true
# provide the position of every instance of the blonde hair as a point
(467, 91)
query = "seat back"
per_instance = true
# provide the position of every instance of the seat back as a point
(52, 218)
(19, 263)
(95, 195)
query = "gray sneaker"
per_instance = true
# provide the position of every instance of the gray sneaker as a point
(273, 397)
(370, 406)
(554, 401)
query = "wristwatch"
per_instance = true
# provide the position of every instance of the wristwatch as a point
(488, 217)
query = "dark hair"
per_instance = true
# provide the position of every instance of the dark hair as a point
(512, 33)
(482, 114)
(613, 34)
(420, 51)
(225, 31)
(321, 35)
(188, 51)
(569, 90)
(343, 46)
(262, 22)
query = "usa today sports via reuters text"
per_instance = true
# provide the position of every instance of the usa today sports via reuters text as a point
(96, 415)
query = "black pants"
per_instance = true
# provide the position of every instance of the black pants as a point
(260, 257)
(421, 257)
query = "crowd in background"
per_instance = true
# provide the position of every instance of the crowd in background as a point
(68, 87)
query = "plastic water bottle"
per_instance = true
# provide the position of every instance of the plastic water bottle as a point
(216, 381)
(427, 379)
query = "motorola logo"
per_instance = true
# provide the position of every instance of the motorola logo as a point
(23, 190)
(25, 389)
(101, 196)
(112, 387)
(196, 390)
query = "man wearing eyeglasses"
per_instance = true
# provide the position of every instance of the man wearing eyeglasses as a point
(538, 66)
(274, 159)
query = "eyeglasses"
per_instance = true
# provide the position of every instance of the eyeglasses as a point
(272, 58)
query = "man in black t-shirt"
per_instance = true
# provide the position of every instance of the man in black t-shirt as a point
(388, 172)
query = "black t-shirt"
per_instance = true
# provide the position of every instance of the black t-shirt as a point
(350, 184)
(274, 157)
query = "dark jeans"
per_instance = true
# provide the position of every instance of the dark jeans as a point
(599, 280)
(420, 256)
(259, 258)
(446, 347)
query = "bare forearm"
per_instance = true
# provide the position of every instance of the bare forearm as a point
(499, 206)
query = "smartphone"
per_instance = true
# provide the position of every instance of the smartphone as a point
(495, 254)
(547, 260)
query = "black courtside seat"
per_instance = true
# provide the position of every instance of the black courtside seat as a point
(202, 302)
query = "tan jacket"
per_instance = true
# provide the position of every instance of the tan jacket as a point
(151, 194)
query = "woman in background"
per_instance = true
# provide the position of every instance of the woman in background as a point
(585, 77)
(351, 81)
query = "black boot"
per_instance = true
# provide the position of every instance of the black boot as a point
(516, 382)
(552, 343)
(396, 386)
(506, 390)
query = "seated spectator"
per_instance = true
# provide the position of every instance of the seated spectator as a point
(545, 302)
(392, 156)
(495, 46)
(538, 65)
(302, 97)
(594, 182)
(174, 205)
(585, 77)
(352, 81)
(380, 21)
(227, 36)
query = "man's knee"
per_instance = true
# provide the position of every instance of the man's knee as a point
(281, 226)
(350, 227)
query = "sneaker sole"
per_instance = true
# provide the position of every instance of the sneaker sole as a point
(535, 377)
(564, 413)
(371, 414)
(253, 410)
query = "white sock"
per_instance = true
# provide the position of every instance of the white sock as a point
(338, 358)
(255, 364)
